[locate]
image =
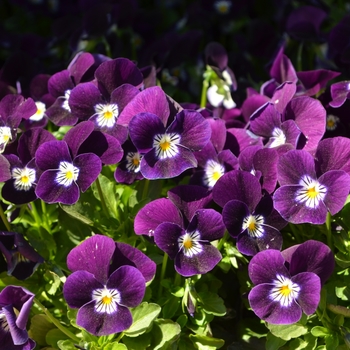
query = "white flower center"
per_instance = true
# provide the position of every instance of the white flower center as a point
(40, 112)
(3, 322)
(284, 291)
(5, 137)
(278, 138)
(254, 225)
(222, 6)
(133, 160)
(65, 103)
(312, 192)
(332, 122)
(67, 173)
(106, 114)
(166, 145)
(190, 243)
(106, 300)
(24, 178)
(213, 172)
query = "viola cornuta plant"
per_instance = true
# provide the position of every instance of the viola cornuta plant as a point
(174, 175)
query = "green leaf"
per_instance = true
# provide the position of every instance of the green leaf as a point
(143, 316)
(319, 331)
(39, 327)
(206, 343)
(141, 342)
(308, 343)
(66, 345)
(115, 346)
(332, 341)
(287, 332)
(273, 342)
(171, 307)
(182, 320)
(53, 336)
(212, 303)
(53, 283)
(165, 332)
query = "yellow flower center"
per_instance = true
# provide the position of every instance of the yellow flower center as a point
(187, 243)
(165, 145)
(108, 114)
(107, 299)
(312, 192)
(285, 290)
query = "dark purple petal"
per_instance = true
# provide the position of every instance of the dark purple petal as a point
(310, 116)
(89, 166)
(123, 95)
(153, 168)
(80, 65)
(265, 120)
(189, 198)
(271, 239)
(312, 256)
(194, 129)
(198, 264)
(50, 154)
(83, 99)
(218, 133)
(125, 254)
(333, 154)
(50, 191)
(77, 135)
(102, 323)
(155, 213)
(116, 72)
(78, 288)
(208, 222)
(272, 311)
(130, 283)
(337, 183)
(61, 116)
(293, 165)
(283, 94)
(251, 104)
(59, 83)
(265, 265)
(166, 236)
(310, 291)
(243, 187)
(238, 139)
(297, 212)
(151, 100)
(143, 127)
(93, 255)
(5, 173)
(233, 214)
(282, 69)
(291, 132)
(19, 336)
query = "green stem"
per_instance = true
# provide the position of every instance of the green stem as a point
(204, 93)
(177, 280)
(44, 216)
(162, 274)
(120, 336)
(329, 230)
(145, 188)
(35, 214)
(223, 240)
(4, 219)
(56, 322)
(102, 198)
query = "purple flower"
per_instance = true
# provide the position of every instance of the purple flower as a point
(18, 257)
(107, 279)
(305, 197)
(15, 304)
(63, 176)
(168, 151)
(248, 215)
(288, 283)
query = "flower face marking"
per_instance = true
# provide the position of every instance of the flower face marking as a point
(254, 225)
(133, 161)
(278, 137)
(284, 291)
(166, 145)
(189, 243)
(39, 114)
(3, 322)
(213, 172)
(5, 137)
(106, 114)
(106, 300)
(65, 104)
(312, 192)
(67, 173)
(24, 178)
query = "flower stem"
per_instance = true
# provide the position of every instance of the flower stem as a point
(56, 322)
(35, 214)
(120, 336)
(204, 93)
(329, 230)
(223, 240)
(4, 219)
(162, 273)
(102, 198)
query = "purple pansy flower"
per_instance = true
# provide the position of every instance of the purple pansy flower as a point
(15, 304)
(64, 177)
(304, 196)
(288, 283)
(113, 280)
(18, 257)
(248, 215)
(168, 151)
